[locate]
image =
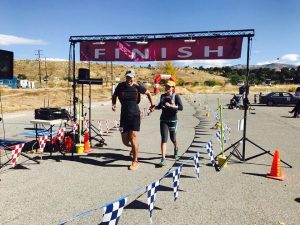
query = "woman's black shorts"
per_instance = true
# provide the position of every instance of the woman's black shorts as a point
(168, 127)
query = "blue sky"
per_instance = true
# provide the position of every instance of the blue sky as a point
(47, 25)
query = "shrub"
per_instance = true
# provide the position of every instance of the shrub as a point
(67, 79)
(292, 89)
(196, 83)
(211, 83)
(180, 82)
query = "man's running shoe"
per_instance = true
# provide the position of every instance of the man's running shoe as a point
(134, 165)
(162, 163)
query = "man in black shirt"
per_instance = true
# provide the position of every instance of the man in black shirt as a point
(169, 103)
(128, 93)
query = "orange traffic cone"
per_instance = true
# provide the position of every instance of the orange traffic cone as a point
(276, 168)
(86, 143)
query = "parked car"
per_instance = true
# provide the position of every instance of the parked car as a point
(297, 92)
(240, 83)
(279, 98)
(267, 82)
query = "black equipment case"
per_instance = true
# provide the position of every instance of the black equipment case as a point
(51, 114)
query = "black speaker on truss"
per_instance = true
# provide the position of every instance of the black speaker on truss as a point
(83, 74)
(6, 64)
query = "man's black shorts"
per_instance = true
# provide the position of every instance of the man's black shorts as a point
(131, 122)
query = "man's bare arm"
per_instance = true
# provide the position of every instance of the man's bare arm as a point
(152, 106)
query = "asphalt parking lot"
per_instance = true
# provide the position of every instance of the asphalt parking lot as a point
(59, 187)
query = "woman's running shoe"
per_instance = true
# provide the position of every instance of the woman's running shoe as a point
(162, 163)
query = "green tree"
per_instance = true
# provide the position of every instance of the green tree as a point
(297, 75)
(21, 77)
(235, 78)
(227, 69)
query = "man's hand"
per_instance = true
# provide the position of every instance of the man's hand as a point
(114, 107)
(152, 108)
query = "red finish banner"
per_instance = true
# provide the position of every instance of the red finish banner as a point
(162, 50)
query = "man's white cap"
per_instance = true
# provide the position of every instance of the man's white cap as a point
(130, 73)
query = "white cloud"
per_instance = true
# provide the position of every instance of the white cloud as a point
(204, 63)
(56, 59)
(265, 62)
(14, 40)
(289, 58)
(293, 59)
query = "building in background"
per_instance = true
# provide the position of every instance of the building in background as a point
(16, 83)
(9, 83)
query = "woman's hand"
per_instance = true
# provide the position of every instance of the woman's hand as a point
(168, 105)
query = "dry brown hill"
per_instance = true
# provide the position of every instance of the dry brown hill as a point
(59, 70)
(58, 91)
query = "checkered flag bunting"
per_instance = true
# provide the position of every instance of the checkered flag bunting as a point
(100, 127)
(107, 126)
(61, 134)
(176, 176)
(85, 124)
(217, 118)
(218, 136)
(151, 193)
(197, 166)
(16, 152)
(227, 131)
(74, 127)
(116, 124)
(42, 142)
(210, 152)
(113, 211)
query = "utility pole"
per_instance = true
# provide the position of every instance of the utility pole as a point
(112, 72)
(46, 72)
(39, 58)
(106, 74)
